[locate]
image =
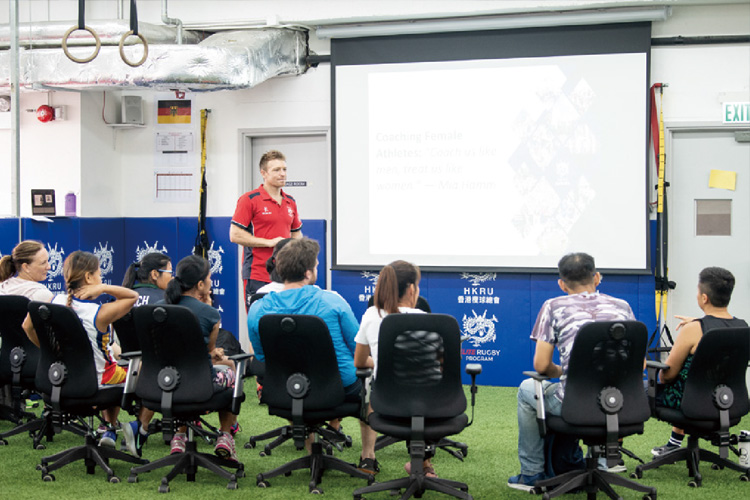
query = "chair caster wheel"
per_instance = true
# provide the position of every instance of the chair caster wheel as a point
(744, 478)
(693, 483)
(316, 491)
(113, 479)
(370, 480)
(232, 485)
(348, 442)
(250, 444)
(288, 473)
(40, 446)
(649, 497)
(47, 477)
(3, 442)
(163, 488)
(716, 467)
(262, 484)
(132, 479)
(638, 474)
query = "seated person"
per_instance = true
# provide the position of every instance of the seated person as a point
(83, 282)
(191, 288)
(297, 264)
(276, 284)
(149, 277)
(397, 291)
(715, 286)
(22, 271)
(557, 324)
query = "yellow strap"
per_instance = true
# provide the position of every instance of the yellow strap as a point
(660, 190)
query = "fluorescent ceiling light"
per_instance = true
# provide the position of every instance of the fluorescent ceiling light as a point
(495, 23)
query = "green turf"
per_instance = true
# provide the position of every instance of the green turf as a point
(492, 458)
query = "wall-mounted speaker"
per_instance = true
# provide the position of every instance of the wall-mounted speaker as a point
(132, 109)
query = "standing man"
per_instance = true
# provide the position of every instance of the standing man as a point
(262, 218)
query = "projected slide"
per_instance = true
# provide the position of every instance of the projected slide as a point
(505, 163)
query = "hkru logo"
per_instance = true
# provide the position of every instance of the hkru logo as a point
(478, 279)
(214, 258)
(147, 249)
(55, 262)
(369, 289)
(105, 255)
(479, 329)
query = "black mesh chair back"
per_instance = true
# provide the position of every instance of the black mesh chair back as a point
(126, 333)
(720, 359)
(606, 354)
(419, 359)
(13, 310)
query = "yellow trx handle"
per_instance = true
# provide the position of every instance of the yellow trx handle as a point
(660, 190)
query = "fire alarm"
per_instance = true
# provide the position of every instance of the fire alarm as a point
(45, 113)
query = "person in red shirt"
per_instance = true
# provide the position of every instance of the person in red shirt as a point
(262, 218)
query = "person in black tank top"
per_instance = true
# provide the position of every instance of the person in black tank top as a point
(715, 286)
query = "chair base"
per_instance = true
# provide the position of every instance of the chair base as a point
(590, 480)
(42, 427)
(692, 455)
(332, 438)
(416, 484)
(92, 454)
(447, 445)
(317, 462)
(187, 463)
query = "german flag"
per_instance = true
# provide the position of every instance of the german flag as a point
(174, 112)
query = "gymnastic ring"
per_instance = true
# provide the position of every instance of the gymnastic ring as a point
(122, 51)
(73, 58)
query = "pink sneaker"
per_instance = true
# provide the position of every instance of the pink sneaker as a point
(225, 447)
(177, 444)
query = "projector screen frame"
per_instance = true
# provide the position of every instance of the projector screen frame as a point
(498, 44)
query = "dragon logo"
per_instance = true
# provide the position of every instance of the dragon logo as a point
(373, 277)
(478, 279)
(479, 329)
(214, 258)
(55, 262)
(104, 253)
(141, 252)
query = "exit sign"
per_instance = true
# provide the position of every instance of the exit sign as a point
(736, 112)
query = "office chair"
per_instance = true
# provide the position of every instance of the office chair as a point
(131, 351)
(604, 402)
(176, 380)
(302, 384)
(331, 437)
(417, 395)
(66, 377)
(715, 399)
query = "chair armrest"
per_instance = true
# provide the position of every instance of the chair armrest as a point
(541, 417)
(363, 373)
(364, 408)
(653, 368)
(238, 393)
(133, 361)
(131, 354)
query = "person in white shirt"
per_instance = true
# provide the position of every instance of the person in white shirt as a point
(23, 269)
(397, 291)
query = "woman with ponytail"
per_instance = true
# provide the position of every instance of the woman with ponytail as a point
(191, 288)
(23, 269)
(83, 283)
(397, 291)
(149, 277)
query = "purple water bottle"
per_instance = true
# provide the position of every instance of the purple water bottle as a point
(70, 204)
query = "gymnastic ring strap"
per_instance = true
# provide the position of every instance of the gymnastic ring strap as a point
(81, 26)
(133, 31)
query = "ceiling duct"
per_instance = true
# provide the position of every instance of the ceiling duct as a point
(224, 61)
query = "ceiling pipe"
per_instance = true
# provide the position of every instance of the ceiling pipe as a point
(171, 21)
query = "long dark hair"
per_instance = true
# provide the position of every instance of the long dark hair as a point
(189, 272)
(141, 271)
(394, 279)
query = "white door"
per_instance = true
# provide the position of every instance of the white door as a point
(696, 208)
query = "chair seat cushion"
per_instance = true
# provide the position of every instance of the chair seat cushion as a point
(104, 398)
(434, 429)
(319, 416)
(221, 400)
(589, 433)
(678, 419)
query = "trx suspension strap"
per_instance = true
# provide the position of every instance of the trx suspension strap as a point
(663, 285)
(201, 241)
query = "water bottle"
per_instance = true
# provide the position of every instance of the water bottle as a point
(744, 448)
(70, 204)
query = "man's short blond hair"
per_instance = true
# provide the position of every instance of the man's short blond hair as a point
(270, 155)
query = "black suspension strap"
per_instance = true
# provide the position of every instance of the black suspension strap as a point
(202, 244)
(133, 31)
(81, 26)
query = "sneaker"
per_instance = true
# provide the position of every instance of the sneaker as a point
(134, 440)
(30, 404)
(225, 447)
(619, 467)
(108, 439)
(235, 429)
(668, 448)
(369, 465)
(524, 482)
(177, 445)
